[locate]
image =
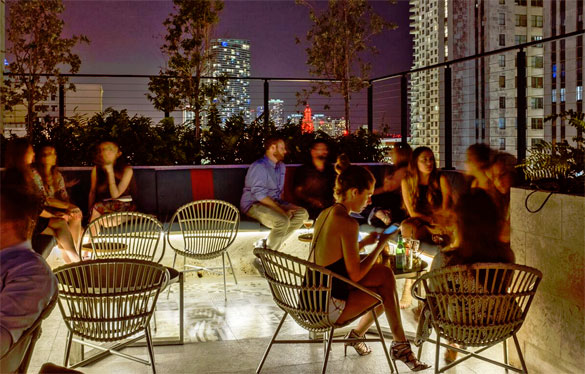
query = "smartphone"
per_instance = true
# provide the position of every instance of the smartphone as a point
(391, 229)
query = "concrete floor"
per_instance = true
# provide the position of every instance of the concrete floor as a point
(231, 336)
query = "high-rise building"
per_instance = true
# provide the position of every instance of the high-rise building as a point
(307, 124)
(563, 66)
(483, 90)
(276, 107)
(232, 58)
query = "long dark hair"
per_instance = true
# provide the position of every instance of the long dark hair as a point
(119, 165)
(352, 176)
(413, 179)
(41, 168)
(18, 173)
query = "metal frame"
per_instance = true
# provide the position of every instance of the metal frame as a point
(208, 228)
(479, 305)
(286, 275)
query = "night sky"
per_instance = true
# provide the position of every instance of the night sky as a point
(126, 37)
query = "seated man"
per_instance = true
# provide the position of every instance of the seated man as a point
(314, 181)
(262, 196)
(27, 283)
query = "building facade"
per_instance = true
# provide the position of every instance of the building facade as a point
(563, 80)
(483, 90)
(231, 57)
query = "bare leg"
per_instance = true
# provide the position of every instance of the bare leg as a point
(76, 230)
(59, 229)
(406, 298)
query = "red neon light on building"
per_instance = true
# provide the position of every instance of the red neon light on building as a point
(307, 124)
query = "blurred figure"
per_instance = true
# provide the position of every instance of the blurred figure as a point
(262, 196)
(112, 182)
(342, 163)
(51, 182)
(19, 157)
(27, 283)
(502, 173)
(314, 181)
(478, 163)
(387, 199)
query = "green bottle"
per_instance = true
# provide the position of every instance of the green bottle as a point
(400, 254)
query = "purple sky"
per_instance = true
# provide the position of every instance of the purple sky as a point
(126, 35)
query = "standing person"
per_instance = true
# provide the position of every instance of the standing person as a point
(50, 181)
(262, 195)
(112, 182)
(313, 182)
(477, 165)
(502, 173)
(19, 157)
(336, 247)
(427, 198)
(27, 283)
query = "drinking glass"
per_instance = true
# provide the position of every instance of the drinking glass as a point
(308, 224)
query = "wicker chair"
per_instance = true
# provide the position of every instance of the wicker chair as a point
(302, 290)
(477, 305)
(17, 358)
(208, 229)
(109, 301)
(129, 235)
(132, 235)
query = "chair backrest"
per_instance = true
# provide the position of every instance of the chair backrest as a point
(130, 235)
(109, 300)
(18, 357)
(480, 304)
(299, 287)
(208, 227)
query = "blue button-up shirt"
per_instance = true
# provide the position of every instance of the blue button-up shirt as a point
(264, 178)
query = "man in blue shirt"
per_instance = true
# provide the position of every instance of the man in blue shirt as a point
(262, 196)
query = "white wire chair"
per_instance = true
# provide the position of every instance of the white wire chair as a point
(477, 305)
(208, 228)
(131, 235)
(108, 301)
(302, 290)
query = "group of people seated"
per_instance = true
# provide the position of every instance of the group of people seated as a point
(474, 228)
(35, 172)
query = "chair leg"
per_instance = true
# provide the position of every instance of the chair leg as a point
(67, 348)
(505, 353)
(327, 350)
(154, 318)
(524, 369)
(224, 286)
(386, 351)
(271, 342)
(231, 267)
(150, 348)
(169, 290)
(437, 352)
(419, 353)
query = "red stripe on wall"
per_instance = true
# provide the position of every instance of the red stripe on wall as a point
(202, 184)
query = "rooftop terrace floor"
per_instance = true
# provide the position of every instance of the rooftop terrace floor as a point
(231, 336)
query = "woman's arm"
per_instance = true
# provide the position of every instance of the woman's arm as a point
(116, 190)
(408, 203)
(446, 192)
(350, 247)
(92, 189)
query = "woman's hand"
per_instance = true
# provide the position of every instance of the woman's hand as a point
(109, 168)
(370, 239)
(384, 216)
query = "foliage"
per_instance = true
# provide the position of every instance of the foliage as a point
(144, 143)
(558, 166)
(188, 51)
(339, 39)
(36, 47)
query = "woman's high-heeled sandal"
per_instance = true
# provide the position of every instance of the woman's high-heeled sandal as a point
(401, 351)
(361, 348)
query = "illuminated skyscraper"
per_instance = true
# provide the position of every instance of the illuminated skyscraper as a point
(232, 58)
(307, 124)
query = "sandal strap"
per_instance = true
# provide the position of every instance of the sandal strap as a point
(402, 351)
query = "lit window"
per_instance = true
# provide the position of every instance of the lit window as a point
(534, 38)
(553, 95)
(502, 123)
(502, 144)
(579, 93)
(502, 81)
(562, 95)
(536, 123)
(502, 61)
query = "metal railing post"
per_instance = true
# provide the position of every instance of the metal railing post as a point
(448, 120)
(61, 104)
(371, 107)
(521, 106)
(403, 109)
(266, 108)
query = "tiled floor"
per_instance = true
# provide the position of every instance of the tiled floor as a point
(231, 336)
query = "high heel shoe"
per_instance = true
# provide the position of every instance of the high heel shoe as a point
(361, 348)
(401, 351)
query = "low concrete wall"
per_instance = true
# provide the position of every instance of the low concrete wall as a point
(553, 241)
